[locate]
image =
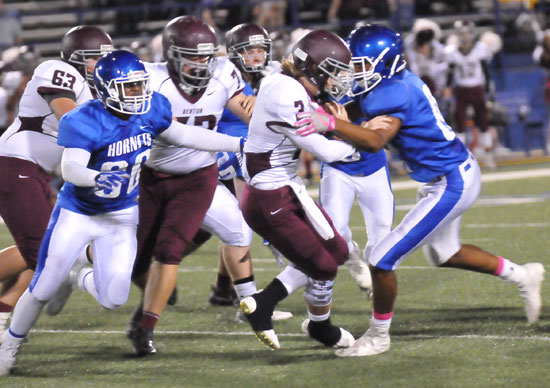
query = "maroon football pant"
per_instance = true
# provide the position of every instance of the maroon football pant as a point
(474, 96)
(278, 216)
(26, 202)
(171, 210)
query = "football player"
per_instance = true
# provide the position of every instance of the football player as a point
(276, 204)
(469, 73)
(29, 153)
(249, 48)
(106, 140)
(434, 156)
(180, 190)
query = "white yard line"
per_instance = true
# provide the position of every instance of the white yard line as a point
(248, 333)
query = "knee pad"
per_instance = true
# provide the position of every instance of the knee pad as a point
(318, 292)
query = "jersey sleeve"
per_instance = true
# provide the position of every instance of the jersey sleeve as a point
(231, 78)
(160, 114)
(58, 79)
(77, 130)
(391, 100)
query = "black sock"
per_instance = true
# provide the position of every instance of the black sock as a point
(324, 332)
(273, 293)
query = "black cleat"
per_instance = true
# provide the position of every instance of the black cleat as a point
(173, 297)
(259, 317)
(142, 339)
(133, 325)
(223, 298)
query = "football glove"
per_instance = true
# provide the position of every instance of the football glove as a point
(317, 121)
(108, 180)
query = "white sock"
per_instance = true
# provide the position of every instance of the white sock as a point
(85, 281)
(292, 278)
(26, 312)
(245, 289)
(318, 318)
(509, 271)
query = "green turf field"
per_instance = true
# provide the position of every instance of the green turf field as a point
(450, 329)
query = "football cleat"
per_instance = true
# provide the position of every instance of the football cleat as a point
(346, 338)
(359, 270)
(373, 342)
(260, 320)
(223, 298)
(133, 325)
(8, 355)
(530, 290)
(142, 339)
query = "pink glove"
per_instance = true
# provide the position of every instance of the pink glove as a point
(317, 121)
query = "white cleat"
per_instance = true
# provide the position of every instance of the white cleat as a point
(359, 270)
(373, 342)
(346, 340)
(8, 355)
(268, 337)
(530, 290)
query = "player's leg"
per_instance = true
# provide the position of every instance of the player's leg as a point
(440, 203)
(318, 296)
(337, 192)
(444, 249)
(225, 220)
(375, 198)
(12, 289)
(297, 240)
(460, 107)
(187, 198)
(66, 236)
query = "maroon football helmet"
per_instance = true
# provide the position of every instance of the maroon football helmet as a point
(324, 58)
(244, 37)
(84, 42)
(186, 37)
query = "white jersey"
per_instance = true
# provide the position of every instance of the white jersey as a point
(468, 71)
(272, 148)
(205, 109)
(33, 134)
(3, 108)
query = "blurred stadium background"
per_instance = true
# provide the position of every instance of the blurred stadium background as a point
(518, 102)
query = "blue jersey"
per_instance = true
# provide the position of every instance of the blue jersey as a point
(114, 144)
(425, 142)
(361, 163)
(230, 123)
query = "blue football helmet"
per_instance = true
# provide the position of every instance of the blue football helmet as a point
(377, 54)
(116, 72)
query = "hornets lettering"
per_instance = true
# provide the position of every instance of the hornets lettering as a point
(130, 144)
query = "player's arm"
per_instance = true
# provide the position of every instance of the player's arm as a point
(62, 105)
(370, 138)
(242, 106)
(199, 138)
(74, 169)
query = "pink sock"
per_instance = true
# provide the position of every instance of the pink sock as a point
(381, 320)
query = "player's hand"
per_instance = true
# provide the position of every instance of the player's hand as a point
(337, 110)
(311, 122)
(379, 122)
(248, 104)
(228, 165)
(108, 180)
